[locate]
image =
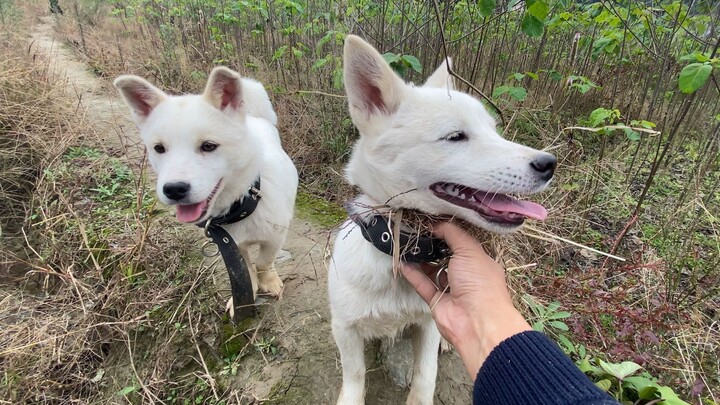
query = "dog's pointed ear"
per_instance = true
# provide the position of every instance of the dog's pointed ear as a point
(441, 77)
(371, 85)
(141, 96)
(224, 90)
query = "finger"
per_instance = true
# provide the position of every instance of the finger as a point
(424, 287)
(429, 269)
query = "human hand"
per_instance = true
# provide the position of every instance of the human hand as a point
(477, 313)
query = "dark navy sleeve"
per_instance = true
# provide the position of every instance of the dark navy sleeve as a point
(529, 368)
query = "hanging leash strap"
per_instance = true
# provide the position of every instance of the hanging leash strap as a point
(240, 282)
(413, 248)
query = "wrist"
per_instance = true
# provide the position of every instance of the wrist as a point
(489, 333)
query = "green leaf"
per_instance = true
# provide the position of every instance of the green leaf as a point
(486, 7)
(560, 315)
(632, 135)
(620, 370)
(532, 75)
(694, 76)
(538, 326)
(279, 53)
(670, 397)
(297, 52)
(413, 62)
(324, 40)
(598, 116)
(499, 91)
(391, 58)
(539, 9)
(532, 26)
(517, 76)
(604, 385)
(559, 325)
(518, 93)
(319, 63)
(127, 390)
(646, 388)
(695, 57)
(569, 346)
(643, 123)
(554, 75)
(585, 366)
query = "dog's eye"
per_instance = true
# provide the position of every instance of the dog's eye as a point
(456, 137)
(159, 148)
(208, 146)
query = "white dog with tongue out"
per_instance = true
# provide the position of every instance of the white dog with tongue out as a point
(208, 150)
(427, 148)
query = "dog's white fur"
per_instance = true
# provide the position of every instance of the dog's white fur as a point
(403, 150)
(235, 114)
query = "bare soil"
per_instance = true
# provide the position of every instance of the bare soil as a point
(305, 368)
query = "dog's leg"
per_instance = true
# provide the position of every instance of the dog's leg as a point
(268, 279)
(351, 346)
(426, 339)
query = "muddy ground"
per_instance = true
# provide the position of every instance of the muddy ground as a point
(305, 368)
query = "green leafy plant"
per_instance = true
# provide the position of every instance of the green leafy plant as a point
(266, 345)
(400, 63)
(581, 84)
(517, 93)
(694, 75)
(533, 22)
(546, 316)
(620, 381)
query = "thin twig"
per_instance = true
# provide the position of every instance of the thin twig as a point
(568, 241)
(452, 72)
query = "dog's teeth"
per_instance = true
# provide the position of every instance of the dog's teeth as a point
(462, 196)
(472, 198)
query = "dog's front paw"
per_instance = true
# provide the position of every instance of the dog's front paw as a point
(270, 282)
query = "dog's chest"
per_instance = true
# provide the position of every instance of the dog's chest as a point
(364, 292)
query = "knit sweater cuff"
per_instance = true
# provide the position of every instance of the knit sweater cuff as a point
(529, 368)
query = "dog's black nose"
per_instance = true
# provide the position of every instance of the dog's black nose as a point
(544, 166)
(176, 191)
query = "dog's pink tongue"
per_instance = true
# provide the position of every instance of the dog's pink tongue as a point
(190, 212)
(505, 203)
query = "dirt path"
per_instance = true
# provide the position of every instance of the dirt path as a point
(306, 368)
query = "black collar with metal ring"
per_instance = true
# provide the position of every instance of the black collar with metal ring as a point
(243, 295)
(240, 209)
(414, 248)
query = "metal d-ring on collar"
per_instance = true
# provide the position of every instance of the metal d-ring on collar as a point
(240, 282)
(443, 269)
(414, 248)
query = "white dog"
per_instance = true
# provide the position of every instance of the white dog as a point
(208, 150)
(427, 148)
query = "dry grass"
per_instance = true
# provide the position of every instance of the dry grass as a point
(77, 245)
(81, 292)
(33, 130)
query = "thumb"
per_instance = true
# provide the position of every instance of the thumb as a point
(422, 284)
